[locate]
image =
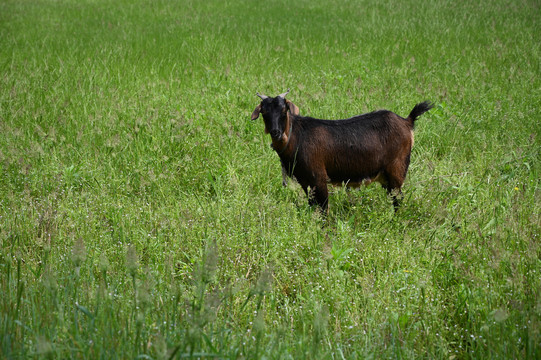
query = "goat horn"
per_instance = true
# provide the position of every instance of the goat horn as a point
(283, 96)
(263, 97)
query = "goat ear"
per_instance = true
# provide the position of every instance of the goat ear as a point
(256, 112)
(292, 108)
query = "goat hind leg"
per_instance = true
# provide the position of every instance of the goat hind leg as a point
(394, 189)
(395, 176)
(396, 195)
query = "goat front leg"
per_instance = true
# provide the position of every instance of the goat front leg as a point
(284, 176)
(319, 195)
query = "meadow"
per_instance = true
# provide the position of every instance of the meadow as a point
(142, 214)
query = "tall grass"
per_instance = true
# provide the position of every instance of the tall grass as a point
(142, 213)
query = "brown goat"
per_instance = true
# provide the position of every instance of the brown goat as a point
(371, 147)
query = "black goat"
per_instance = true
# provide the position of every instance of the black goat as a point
(371, 147)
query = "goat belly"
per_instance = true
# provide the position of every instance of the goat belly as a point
(354, 181)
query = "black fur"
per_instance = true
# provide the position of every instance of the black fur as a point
(419, 110)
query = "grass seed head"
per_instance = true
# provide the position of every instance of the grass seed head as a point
(78, 252)
(132, 260)
(44, 347)
(104, 263)
(264, 283)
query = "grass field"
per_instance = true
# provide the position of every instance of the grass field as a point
(142, 214)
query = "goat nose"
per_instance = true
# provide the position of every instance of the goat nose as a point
(275, 134)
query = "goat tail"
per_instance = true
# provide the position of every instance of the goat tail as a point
(419, 110)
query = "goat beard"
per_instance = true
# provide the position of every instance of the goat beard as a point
(283, 139)
(280, 143)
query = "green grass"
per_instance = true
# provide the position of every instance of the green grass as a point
(142, 213)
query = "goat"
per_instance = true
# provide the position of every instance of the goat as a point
(370, 147)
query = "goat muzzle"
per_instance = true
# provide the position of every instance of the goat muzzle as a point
(276, 134)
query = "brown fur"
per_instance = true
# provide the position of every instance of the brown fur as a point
(360, 150)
